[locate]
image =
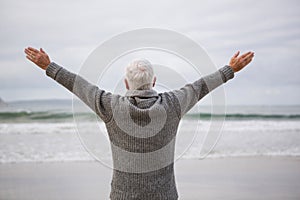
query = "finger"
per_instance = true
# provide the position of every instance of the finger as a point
(245, 54)
(30, 58)
(247, 61)
(30, 52)
(251, 55)
(236, 54)
(33, 49)
(27, 51)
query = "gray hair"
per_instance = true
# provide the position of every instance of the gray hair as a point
(139, 74)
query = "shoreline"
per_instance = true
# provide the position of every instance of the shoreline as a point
(211, 178)
(91, 160)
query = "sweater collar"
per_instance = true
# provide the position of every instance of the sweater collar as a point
(141, 93)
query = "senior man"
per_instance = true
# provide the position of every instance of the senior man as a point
(141, 125)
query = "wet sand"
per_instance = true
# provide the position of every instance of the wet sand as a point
(228, 178)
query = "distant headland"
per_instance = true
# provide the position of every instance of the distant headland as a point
(2, 103)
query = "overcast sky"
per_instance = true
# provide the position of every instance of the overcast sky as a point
(70, 30)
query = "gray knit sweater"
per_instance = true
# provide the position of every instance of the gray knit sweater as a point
(142, 127)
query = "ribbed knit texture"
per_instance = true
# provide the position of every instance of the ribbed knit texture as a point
(142, 127)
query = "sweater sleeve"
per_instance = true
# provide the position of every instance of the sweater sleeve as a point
(190, 94)
(98, 100)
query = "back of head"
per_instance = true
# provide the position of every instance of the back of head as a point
(140, 74)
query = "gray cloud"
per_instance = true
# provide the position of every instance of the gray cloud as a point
(70, 30)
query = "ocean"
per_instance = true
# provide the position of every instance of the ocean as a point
(45, 131)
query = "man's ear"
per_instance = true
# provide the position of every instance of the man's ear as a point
(126, 84)
(154, 80)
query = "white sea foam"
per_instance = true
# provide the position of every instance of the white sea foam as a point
(41, 131)
(58, 142)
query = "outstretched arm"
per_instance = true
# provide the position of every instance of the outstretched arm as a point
(190, 94)
(98, 100)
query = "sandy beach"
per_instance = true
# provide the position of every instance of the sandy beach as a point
(228, 178)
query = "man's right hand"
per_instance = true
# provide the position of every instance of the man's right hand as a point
(38, 57)
(239, 62)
